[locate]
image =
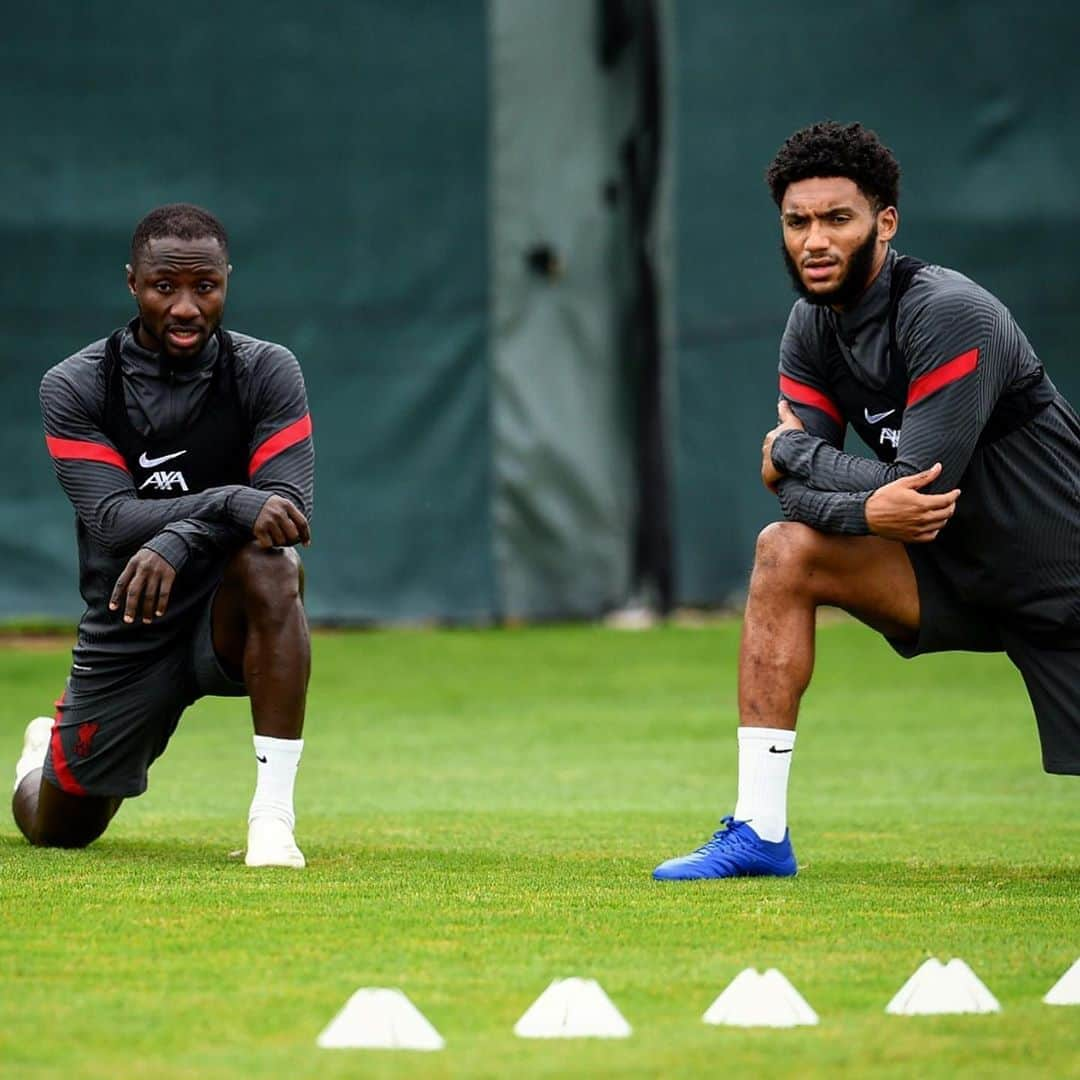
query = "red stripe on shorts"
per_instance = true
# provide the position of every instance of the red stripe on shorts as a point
(63, 772)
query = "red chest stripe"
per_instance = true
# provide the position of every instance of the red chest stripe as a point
(281, 440)
(949, 372)
(807, 395)
(80, 450)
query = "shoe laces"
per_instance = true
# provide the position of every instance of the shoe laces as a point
(731, 837)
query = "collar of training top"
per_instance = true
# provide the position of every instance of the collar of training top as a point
(873, 305)
(135, 359)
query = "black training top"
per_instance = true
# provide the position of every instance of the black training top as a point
(176, 458)
(960, 359)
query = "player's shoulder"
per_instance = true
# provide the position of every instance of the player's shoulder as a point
(940, 292)
(81, 370)
(806, 320)
(257, 355)
(801, 344)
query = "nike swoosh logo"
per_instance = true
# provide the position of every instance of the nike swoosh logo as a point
(774, 750)
(262, 759)
(875, 418)
(152, 462)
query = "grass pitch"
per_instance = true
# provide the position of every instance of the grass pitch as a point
(481, 812)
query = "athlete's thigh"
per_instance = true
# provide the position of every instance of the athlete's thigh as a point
(869, 577)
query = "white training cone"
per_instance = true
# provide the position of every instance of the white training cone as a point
(378, 1019)
(572, 1009)
(942, 988)
(753, 1000)
(1066, 991)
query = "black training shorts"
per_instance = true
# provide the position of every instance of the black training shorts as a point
(114, 719)
(1048, 659)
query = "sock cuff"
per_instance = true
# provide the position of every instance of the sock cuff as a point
(279, 746)
(777, 736)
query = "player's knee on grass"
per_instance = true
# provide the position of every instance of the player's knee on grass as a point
(49, 817)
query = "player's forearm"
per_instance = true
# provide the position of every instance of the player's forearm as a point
(818, 465)
(828, 511)
(938, 431)
(182, 540)
(107, 503)
(121, 522)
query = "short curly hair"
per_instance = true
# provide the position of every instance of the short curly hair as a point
(178, 221)
(831, 149)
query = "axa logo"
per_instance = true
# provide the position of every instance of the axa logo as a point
(165, 480)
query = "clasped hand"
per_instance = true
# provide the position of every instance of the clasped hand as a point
(900, 510)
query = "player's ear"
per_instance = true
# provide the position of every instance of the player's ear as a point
(130, 278)
(888, 221)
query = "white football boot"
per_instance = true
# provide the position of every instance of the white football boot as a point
(35, 747)
(271, 843)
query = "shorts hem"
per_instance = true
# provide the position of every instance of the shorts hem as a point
(1062, 768)
(92, 791)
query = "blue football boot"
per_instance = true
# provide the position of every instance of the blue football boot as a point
(736, 851)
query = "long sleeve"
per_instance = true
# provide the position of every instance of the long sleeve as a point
(832, 512)
(282, 452)
(829, 511)
(803, 386)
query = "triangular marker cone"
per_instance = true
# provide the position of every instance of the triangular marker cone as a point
(753, 1000)
(969, 984)
(572, 1009)
(378, 1019)
(942, 988)
(1066, 991)
(797, 1005)
(924, 973)
(743, 983)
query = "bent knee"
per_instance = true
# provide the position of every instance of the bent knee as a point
(266, 576)
(786, 546)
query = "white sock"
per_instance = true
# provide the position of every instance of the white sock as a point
(276, 762)
(764, 765)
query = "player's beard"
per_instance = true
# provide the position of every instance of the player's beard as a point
(852, 285)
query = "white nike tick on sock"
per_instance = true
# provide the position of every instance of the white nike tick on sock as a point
(764, 764)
